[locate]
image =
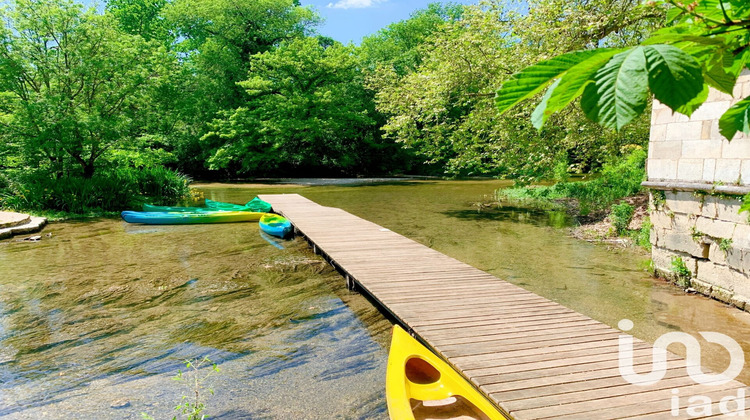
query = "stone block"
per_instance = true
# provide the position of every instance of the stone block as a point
(716, 274)
(701, 287)
(660, 219)
(711, 110)
(716, 134)
(744, 265)
(706, 130)
(709, 168)
(736, 149)
(701, 149)
(690, 169)
(662, 169)
(717, 95)
(739, 86)
(745, 172)
(683, 202)
(727, 170)
(719, 229)
(666, 149)
(733, 258)
(661, 116)
(721, 294)
(659, 132)
(662, 259)
(741, 236)
(728, 209)
(688, 130)
(708, 209)
(684, 242)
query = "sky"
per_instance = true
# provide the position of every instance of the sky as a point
(350, 20)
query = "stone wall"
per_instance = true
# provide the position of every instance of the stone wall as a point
(697, 179)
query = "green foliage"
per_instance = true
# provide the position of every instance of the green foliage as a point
(642, 236)
(141, 17)
(618, 179)
(192, 406)
(111, 190)
(443, 109)
(397, 45)
(696, 234)
(725, 244)
(307, 110)
(72, 84)
(620, 216)
(681, 271)
(705, 45)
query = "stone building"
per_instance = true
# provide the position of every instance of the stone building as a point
(697, 180)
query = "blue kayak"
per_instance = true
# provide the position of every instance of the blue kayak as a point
(275, 225)
(182, 218)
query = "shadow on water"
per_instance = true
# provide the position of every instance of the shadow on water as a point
(556, 219)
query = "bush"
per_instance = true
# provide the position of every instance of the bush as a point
(113, 190)
(620, 217)
(618, 179)
(642, 237)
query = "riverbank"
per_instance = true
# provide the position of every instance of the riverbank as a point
(605, 230)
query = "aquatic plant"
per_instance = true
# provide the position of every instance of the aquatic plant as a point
(192, 406)
(618, 179)
(681, 271)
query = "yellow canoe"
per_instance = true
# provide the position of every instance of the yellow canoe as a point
(420, 385)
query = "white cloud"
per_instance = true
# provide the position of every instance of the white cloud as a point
(353, 4)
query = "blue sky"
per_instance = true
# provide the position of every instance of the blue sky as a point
(349, 20)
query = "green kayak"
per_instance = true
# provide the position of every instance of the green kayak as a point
(255, 205)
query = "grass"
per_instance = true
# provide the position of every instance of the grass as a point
(618, 179)
(106, 193)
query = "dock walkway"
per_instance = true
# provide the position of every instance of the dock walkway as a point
(534, 358)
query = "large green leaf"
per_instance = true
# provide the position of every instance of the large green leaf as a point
(695, 103)
(674, 76)
(737, 118)
(569, 87)
(539, 116)
(533, 79)
(620, 90)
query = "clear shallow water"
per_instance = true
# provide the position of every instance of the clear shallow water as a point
(102, 313)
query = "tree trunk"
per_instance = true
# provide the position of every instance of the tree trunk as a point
(88, 171)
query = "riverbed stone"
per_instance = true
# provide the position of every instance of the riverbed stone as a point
(9, 219)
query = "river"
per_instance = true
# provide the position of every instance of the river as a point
(96, 320)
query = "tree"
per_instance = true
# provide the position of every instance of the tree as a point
(307, 110)
(397, 45)
(444, 107)
(217, 38)
(72, 84)
(142, 17)
(705, 45)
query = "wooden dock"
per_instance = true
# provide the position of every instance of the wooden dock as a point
(533, 358)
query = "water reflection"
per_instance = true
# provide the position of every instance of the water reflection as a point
(106, 311)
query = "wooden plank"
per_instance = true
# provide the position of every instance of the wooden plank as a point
(529, 355)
